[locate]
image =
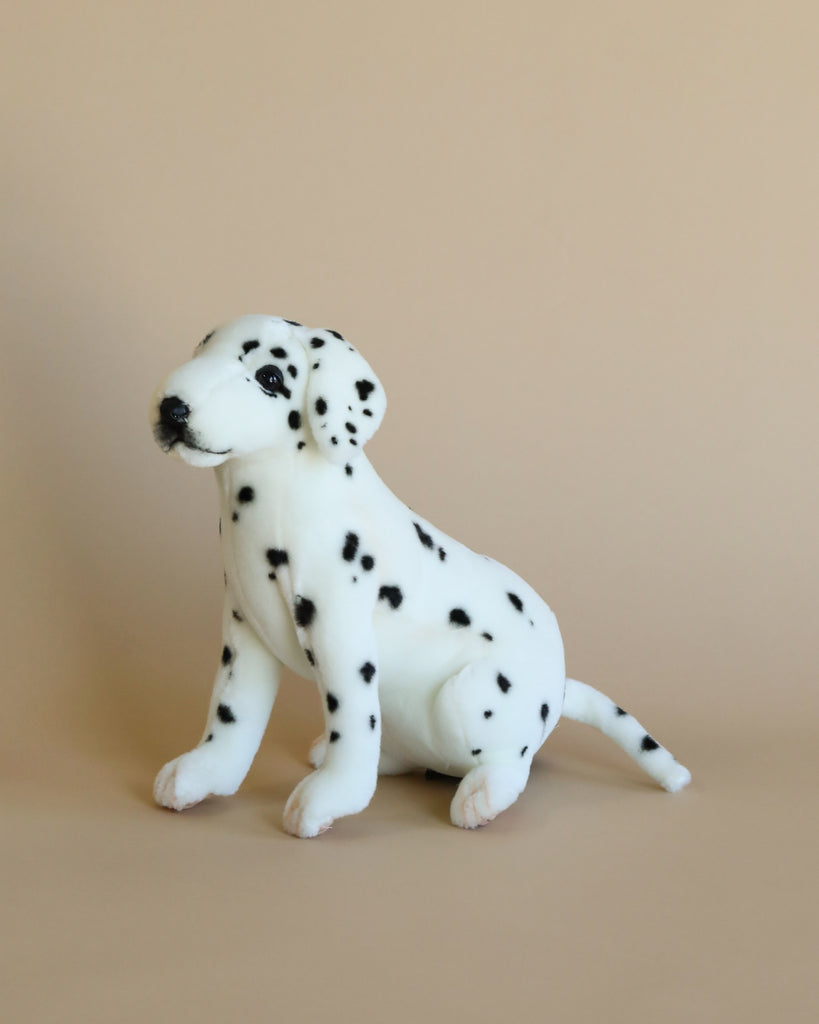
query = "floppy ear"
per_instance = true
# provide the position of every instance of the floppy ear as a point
(345, 399)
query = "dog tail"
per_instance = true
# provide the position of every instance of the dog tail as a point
(583, 703)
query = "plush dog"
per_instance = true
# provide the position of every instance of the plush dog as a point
(426, 655)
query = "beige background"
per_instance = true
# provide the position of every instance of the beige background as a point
(579, 244)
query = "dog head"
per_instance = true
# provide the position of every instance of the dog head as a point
(263, 383)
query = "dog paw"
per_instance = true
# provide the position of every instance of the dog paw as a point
(486, 791)
(321, 798)
(188, 779)
(318, 750)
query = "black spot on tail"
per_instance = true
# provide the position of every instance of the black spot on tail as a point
(364, 389)
(277, 557)
(503, 683)
(648, 743)
(332, 702)
(227, 655)
(304, 611)
(246, 494)
(424, 537)
(516, 602)
(544, 711)
(458, 617)
(367, 671)
(225, 714)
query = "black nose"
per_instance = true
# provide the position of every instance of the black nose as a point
(173, 412)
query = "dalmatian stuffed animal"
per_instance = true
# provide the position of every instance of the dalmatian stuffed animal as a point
(426, 655)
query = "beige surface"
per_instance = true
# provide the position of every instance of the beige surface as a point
(578, 242)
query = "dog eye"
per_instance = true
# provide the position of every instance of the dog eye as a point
(270, 379)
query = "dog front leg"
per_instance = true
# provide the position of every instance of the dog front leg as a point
(243, 694)
(346, 670)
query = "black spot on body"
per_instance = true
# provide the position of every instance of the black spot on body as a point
(235, 517)
(332, 702)
(442, 554)
(367, 671)
(648, 743)
(333, 440)
(476, 751)
(278, 352)
(225, 714)
(335, 736)
(237, 616)
(458, 617)
(351, 427)
(248, 346)
(368, 412)
(364, 389)
(294, 419)
(246, 494)
(353, 442)
(516, 601)
(209, 738)
(309, 655)
(487, 714)
(293, 323)
(316, 342)
(277, 557)
(348, 552)
(335, 334)
(423, 536)
(304, 611)
(544, 712)
(487, 636)
(207, 338)
(523, 751)
(367, 562)
(321, 406)
(503, 683)
(227, 655)
(348, 469)
(301, 445)
(392, 595)
(620, 712)
(372, 721)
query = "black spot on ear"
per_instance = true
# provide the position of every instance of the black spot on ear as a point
(309, 655)
(278, 352)
(424, 537)
(348, 552)
(210, 737)
(301, 445)
(248, 346)
(335, 334)
(225, 714)
(367, 671)
(367, 562)
(392, 595)
(348, 469)
(544, 712)
(524, 751)
(458, 617)
(207, 338)
(321, 406)
(476, 751)
(316, 342)
(220, 526)
(620, 711)
(503, 683)
(237, 616)
(246, 494)
(351, 427)
(487, 714)
(316, 365)
(364, 389)
(227, 655)
(442, 554)
(277, 557)
(335, 736)
(487, 636)
(304, 611)
(294, 419)
(271, 576)
(235, 517)
(516, 601)
(293, 323)
(332, 702)
(372, 721)
(648, 743)
(333, 440)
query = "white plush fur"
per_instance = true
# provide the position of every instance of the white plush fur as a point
(426, 654)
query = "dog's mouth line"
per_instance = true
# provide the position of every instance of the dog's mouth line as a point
(167, 445)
